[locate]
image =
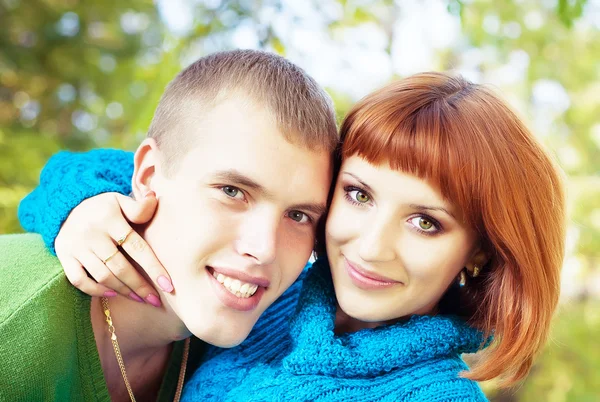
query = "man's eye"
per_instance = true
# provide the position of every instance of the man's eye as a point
(299, 217)
(233, 192)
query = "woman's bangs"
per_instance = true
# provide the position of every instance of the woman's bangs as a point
(418, 144)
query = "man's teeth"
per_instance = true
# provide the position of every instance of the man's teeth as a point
(235, 286)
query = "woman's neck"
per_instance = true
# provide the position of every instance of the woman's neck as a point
(345, 324)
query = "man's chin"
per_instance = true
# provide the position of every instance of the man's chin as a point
(222, 335)
(225, 340)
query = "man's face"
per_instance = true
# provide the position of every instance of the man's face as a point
(235, 223)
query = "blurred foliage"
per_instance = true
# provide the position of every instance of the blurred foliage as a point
(63, 66)
(81, 74)
(568, 368)
(562, 50)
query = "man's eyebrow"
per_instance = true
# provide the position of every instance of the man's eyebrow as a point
(362, 183)
(317, 209)
(235, 177)
(431, 208)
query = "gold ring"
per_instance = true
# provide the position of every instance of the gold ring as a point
(110, 256)
(121, 240)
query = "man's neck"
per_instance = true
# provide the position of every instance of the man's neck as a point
(142, 326)
(145, 335)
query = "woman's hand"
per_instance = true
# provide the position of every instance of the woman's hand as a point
(88, 241)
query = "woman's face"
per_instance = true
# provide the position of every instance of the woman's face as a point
(394, 244)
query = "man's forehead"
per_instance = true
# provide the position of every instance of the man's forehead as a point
(236, 116)
(255, 153)
(258, 156)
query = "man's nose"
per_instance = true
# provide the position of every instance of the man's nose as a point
(258, 235)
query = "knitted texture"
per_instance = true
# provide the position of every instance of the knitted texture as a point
(69, 178)
(47, 344)
(47, 347)
(301, 359)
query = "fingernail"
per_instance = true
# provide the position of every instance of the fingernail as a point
(135, 297)
(154, 300)
(150, 194)
(165, 284)
(110, 293)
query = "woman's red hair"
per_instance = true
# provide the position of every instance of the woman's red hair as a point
(468, 143)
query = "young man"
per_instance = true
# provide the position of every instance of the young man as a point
(239, 157)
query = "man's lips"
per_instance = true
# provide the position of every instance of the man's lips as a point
(237, 290)
(241, 276)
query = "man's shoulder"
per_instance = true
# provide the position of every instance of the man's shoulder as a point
(26, 269)
(25, 255)
(19, 246)
(47, 343)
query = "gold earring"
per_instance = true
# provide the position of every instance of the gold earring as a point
(462, 279)
(476, 270)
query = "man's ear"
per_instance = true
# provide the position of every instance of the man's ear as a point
(146, 164)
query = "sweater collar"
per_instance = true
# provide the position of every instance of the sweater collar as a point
(316, 349)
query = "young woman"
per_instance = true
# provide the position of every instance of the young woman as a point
(445, 236)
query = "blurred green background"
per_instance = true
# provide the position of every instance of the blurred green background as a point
(82, 74)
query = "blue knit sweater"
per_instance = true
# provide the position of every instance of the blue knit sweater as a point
(303, 360)
(292, 354)
(69, 178)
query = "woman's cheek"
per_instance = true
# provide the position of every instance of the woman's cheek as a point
(342, 223)
(422, 257)
(433, 259)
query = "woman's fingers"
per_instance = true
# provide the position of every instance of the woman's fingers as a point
(138, 250)
(102, 274)
(114, 260)
(97, 235)
(77, 275)
(138, 211)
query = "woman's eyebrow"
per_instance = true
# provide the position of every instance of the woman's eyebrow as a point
(362, 183)
(420, 207)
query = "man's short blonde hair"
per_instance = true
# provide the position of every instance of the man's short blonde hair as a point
(303, 111)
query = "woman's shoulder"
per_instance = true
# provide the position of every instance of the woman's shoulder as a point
(441, 380)
(428, 381)
(458, 390)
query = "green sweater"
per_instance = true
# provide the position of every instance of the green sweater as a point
(47, 346)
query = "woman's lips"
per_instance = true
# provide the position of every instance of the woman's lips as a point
(366, 279)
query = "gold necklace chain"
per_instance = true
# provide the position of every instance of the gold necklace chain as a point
(113, 338)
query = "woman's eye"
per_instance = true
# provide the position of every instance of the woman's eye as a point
(359, 196)
(233, 192)
(424, 224)
(298, 216)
